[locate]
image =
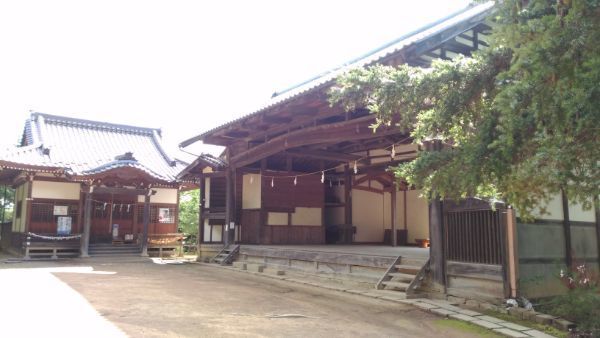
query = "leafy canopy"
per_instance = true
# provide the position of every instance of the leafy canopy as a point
(188, 211)
(519, 120)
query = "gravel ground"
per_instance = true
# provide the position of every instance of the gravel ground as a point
(139, 298)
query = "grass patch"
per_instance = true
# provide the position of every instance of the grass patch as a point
(466, 327)
(551, 330)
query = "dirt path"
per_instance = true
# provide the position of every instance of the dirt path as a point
(150, 300)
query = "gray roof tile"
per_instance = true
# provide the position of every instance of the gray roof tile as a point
(84, 147)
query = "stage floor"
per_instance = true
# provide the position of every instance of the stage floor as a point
(357, 249)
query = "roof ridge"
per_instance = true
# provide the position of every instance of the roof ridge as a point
(92, 123)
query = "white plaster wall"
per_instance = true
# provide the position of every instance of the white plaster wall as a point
(367, 216)
(553, 209)
(251, 192)
(277, 218)
(307, 216)
(576, 213)
(163, 195)
(387, 210)
(55, 190)
(417, 216)
(206, 192)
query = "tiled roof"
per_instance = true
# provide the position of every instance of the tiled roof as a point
(469, 13)
(83, 147)
(205, 160)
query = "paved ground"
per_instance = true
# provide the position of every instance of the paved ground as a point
(142, 299)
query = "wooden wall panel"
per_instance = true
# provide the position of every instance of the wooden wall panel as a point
(309, 191)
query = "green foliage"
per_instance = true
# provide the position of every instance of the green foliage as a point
(520, 120)
(581, 303)
(189, 211)
(6, 204)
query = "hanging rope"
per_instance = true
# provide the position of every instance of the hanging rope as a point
(322, 172)
(53, 238)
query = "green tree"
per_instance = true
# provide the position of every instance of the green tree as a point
(519, 120)
(189, 211)
(7, 198)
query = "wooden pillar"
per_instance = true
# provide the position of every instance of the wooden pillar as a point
(87, 223)
(201, 198)
(512, 252)
(229, 206)
(597, 212)
(436, 230)
(567, 229)
(394, 214)
(146, 220)
(347, 196)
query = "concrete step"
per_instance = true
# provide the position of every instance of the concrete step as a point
(273, 271)
(239, 265)
(396, 285)
(408, 269)
(399, 276)
(114, 251)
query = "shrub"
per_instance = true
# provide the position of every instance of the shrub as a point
(581, 302)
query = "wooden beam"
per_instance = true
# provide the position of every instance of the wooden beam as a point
(323, 155)
(277, 119)
(394, 214)
(146, 221)
(347, 196)
(348, 130)
(200, 238)
(87, 224)
(229, 205)
(120, 191)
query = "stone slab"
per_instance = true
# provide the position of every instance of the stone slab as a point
(426, 306)
(514, 326)
(239, 265)
(463, 317)
(538, 334)
(544, 319)
(469, 312)
(563, 324)
(486, 324)
(490, 319)
(511, 333)
(443, 312)
(255, 267)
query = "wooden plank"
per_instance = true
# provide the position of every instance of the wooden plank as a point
(323, 155)
(146, 224)
(394, 213)
(348, 130)
(473, 270)
(87, 223)
(347, 196)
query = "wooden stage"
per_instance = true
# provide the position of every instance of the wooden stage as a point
(362, 250)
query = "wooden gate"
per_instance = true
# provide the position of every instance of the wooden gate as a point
(475, 245)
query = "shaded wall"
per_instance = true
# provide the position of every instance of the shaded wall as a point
(542, 247)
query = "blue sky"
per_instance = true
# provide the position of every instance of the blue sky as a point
(184, 66)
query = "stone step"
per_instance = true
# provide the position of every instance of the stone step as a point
(239, 265)
(408, 269)
(255, 267)
(396, 285)
(402, 276)
(273, 271)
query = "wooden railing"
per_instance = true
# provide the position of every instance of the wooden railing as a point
(169, 242)
(474, 236)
